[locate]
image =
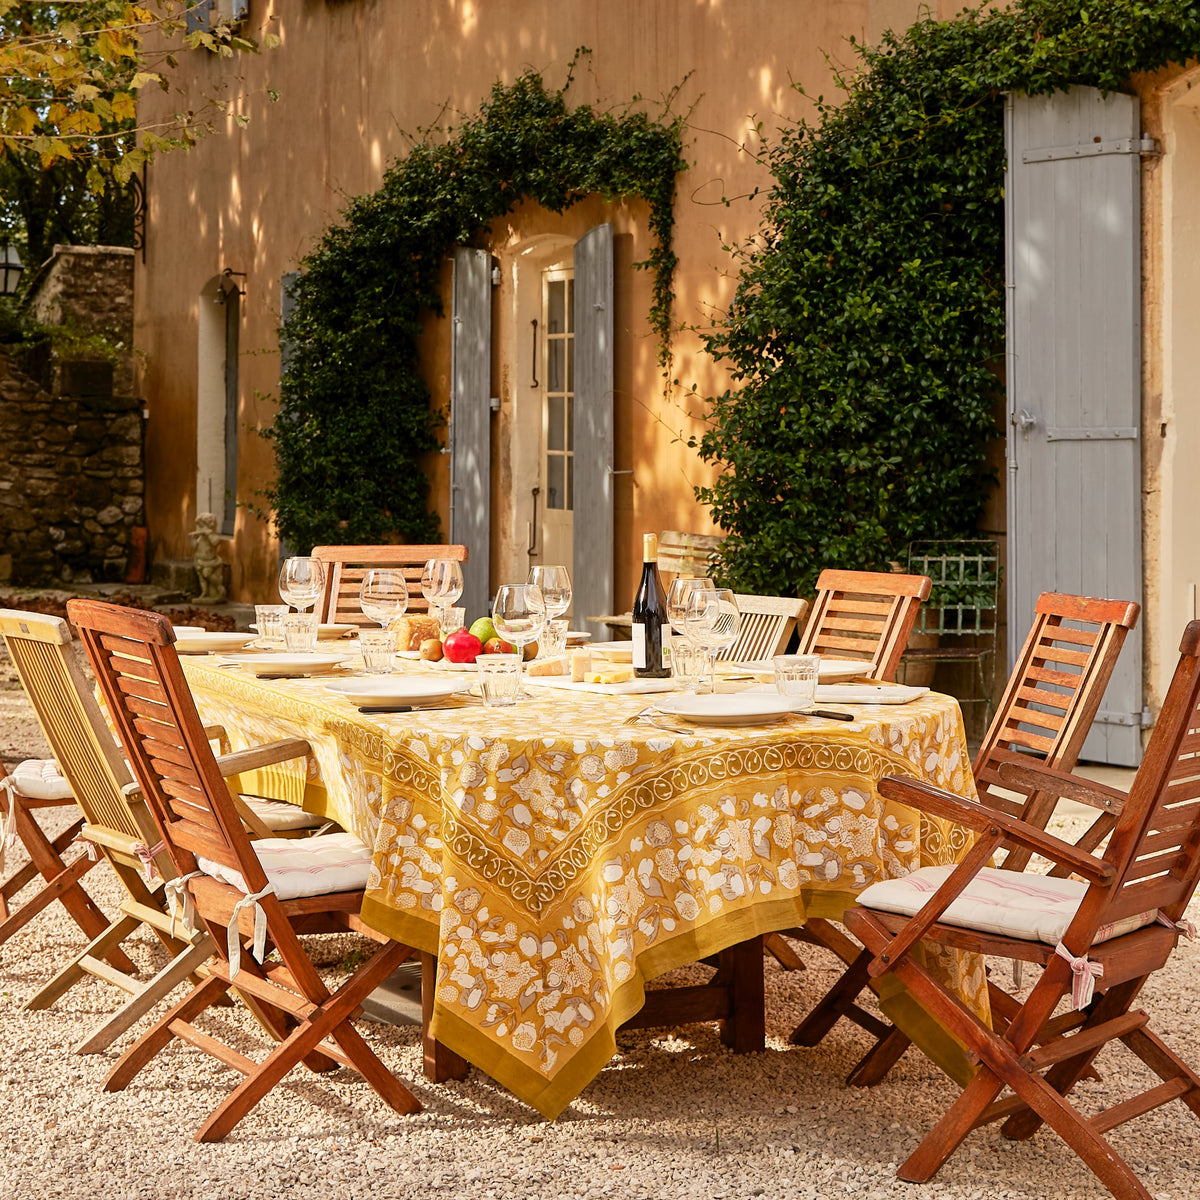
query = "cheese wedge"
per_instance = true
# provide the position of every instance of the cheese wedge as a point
(612, 675)
(549, 666)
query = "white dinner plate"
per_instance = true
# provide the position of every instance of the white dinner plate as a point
(576, 637)
(205, 641)
(830, 670)
(324, 632)
(395, 689)
(868, 693)
(737, 708)
(282, 660)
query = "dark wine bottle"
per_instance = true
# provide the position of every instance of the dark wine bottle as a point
(650, 616)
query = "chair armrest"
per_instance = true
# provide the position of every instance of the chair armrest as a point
(217, 733)
(262, 756)
(939, 803)
(1063, 783)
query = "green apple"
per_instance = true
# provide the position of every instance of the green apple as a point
(484, 630)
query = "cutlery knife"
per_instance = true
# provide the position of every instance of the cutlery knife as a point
(829, 714)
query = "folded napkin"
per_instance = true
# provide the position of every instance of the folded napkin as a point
(867, 693)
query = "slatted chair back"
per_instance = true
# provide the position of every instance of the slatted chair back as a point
(767, 625)
(687, 554)
(152, 708)
(345, 567)
(75, 728)
(1155, 842)
(1052, 696)
(864, 615)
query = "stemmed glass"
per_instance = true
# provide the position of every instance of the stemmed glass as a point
(301, 581)
(383, 595)
(518, 614)
(441, 584)
(712, 620)
(682, 587)
(555, 585)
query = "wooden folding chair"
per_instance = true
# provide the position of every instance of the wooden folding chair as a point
(1098, 941)
(767, 624)
(1049, 703)
(345, 567)
(864, 615)
(37, 784)
(116, 824)
(268, 891)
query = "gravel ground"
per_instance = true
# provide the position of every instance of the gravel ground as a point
(673, 1115)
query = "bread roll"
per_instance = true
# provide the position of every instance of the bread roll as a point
(412, 631)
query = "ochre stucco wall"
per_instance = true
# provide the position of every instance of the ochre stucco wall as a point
(351, 78)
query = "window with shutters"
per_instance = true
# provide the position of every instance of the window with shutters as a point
(558, 307)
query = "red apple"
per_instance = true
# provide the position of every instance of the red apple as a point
(498, 646)
(462, 647)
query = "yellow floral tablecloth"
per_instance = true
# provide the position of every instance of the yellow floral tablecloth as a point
(555, 859)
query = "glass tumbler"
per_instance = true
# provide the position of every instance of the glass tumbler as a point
(499, 678)
(691, 666)
(796, 677)
(378, 648)
(300, 632)
(269, 619)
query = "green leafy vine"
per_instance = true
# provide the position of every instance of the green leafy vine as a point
(355, 416)
(865, 339)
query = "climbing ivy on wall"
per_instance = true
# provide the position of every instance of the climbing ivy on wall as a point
(865, 340)
(355, 415)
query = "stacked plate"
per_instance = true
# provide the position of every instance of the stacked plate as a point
(285, 662)
(191, 639)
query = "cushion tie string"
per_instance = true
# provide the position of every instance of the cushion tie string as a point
(145, 855)
(1086, 973)
(9, 833)
(175, 889)
(86, 843)
(1186, 927)
(234, 940)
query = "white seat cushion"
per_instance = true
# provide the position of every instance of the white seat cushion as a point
(316, 866)
(40, 779)
(281, 816)
(1035, 908)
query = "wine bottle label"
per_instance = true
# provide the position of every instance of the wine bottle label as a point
(639, 646)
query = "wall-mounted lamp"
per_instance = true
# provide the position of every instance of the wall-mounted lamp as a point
(11, 268)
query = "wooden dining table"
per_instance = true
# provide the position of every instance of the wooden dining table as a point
(553, 857)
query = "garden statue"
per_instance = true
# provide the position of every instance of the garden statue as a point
(210, 567)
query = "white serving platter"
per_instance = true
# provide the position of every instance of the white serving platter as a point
(395, 689)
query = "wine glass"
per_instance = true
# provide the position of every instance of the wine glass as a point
(518, 614)
(682, 587)
(441, 584)
(301, 581)
(555, 585)
(383, 595)
(712, 620)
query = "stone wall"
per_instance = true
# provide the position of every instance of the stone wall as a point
(71, 479)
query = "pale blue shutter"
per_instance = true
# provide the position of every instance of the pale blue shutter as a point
(199, 16)
(592, 568)
(470, 421)
(1074, 373)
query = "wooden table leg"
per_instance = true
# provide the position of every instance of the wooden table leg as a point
(745, 1029)
(441, 1063)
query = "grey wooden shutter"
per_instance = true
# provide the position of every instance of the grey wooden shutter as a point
(199, 17)
(470, 421)
(1074, 373)
(592, 568)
